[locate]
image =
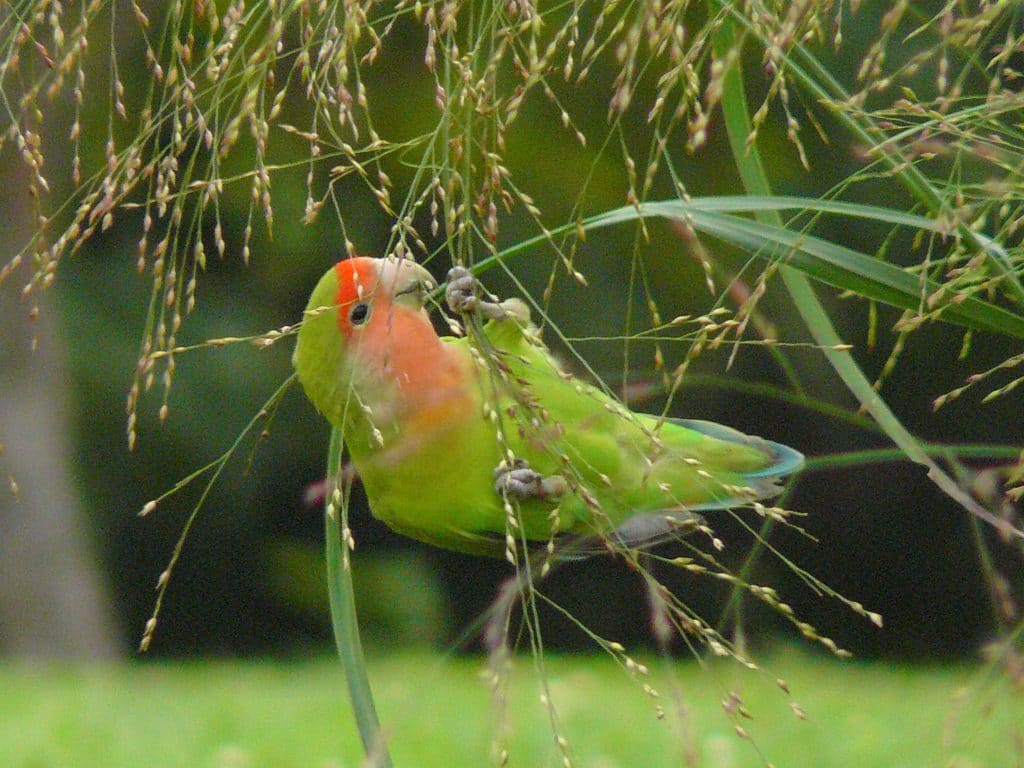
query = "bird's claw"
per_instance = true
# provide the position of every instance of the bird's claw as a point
(520, 481)
(463, 295)
(461, 291)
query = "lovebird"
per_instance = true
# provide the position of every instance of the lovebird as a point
(482, 442)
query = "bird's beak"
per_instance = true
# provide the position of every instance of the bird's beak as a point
(405, 279)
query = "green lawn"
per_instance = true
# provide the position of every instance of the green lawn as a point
(438, 712)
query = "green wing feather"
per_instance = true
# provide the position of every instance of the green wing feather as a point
(624, 467)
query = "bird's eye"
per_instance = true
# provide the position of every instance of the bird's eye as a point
(359, 314)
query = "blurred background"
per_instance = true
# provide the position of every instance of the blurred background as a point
(78, 566)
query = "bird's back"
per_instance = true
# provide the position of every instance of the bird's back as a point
(624, 463)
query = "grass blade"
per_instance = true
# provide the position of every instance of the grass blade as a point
(851, 270)
(826, 261)
(748, 160)
(343, 614)
(823, 87)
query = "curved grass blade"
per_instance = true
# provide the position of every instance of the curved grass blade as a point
(825, 89)
(826, 261)
(847, 269)
(748, 160)
(343, 614)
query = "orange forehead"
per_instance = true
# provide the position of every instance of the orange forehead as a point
(356, 278)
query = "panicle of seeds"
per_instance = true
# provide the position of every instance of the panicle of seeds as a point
(223, 74)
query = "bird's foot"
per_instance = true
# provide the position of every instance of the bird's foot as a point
(520, 481)
(463, 295)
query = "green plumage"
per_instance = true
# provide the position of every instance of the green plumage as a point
(427, 421)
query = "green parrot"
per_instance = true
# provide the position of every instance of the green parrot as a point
(478, 442)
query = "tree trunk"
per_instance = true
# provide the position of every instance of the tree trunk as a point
(53, 601)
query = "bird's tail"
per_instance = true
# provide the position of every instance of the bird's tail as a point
(766, 481)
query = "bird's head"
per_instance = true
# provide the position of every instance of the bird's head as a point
(354, 315)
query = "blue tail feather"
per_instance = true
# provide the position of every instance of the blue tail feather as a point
(785, 460)
(649, 527)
